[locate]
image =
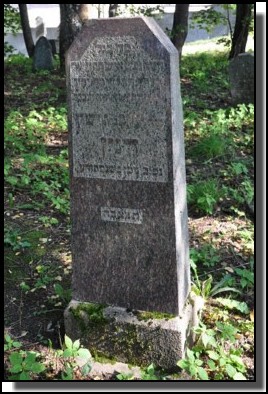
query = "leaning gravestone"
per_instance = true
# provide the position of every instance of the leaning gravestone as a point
(242, 78)
(128, 199)
(43, 58)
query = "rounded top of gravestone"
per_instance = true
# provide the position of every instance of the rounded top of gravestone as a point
(137, 33)
(243, 59)
(43, 42)
(43, 59)
(246, 54)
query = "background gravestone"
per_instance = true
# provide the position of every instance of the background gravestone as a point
(53, 47)
(43, 58)
(128, 198)
(242, 78)
(40, 28)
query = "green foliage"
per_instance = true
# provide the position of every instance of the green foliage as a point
(64, 294)
(149, 373)
(10, 344)
(42, 174)
(44, 277)
(203, 72)
(217, 362)
(19, 62)
(125, 376)
(205, 289)
(246, 277)
(234, 304)
(207, 255)
(11, 25)
(193, 365)
(24, 287)
(143, 9)
(208, 19)
(204, 195)
(221, 139)
(11, 19)
(210, 146)
(23, 365)
(13, 239)
(48, 221)
(227, 331)
(76, 356)
(206, 337)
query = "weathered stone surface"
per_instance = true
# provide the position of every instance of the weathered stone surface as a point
(128, 199)
(40, 28)
(129, 336)
(43, 59)
(110, 371)
(242, 78)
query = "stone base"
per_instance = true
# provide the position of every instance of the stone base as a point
(133, 337)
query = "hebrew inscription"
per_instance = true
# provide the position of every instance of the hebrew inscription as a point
(124, 215)
(119, 100)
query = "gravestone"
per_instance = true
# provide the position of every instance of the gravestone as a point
(128, 197)
(242, 78)
(53, 46)
(40, 28)
(43, 58)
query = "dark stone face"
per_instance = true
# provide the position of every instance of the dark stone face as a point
(242, 78)
(129, 216)
(43, 59)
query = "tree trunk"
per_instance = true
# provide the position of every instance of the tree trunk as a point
(180, 26)
(27, 34)
(70, 24)
(112, 10)
(242, 22)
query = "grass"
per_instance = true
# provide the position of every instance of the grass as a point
(212, 45)
(219, 142)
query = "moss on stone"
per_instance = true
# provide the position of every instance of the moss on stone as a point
(102, 358)
(107, 337)
(142, 315)
(89, 314)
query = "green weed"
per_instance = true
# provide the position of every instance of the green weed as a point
(10, 344)
(206, 255)
(75, 356)
(13, 239)
(205, 288)
(210, 146)
(23, 365)
(209, 359)
(204, 195)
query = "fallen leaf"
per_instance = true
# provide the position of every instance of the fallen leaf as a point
(23, 334)
(44, 240)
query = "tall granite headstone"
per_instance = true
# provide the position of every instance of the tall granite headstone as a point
(128, 197)
(242, 78)
(43, 58)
